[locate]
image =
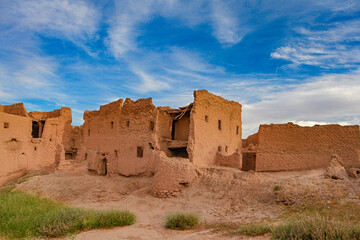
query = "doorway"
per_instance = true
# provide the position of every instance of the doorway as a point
(248, 161)
(103, 167)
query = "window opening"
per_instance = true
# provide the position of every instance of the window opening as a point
(140, 152)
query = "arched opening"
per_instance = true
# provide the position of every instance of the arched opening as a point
(103, 167)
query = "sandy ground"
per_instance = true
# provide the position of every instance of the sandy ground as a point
(218, 195)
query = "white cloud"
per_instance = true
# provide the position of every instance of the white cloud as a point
(332, 98)
(125, 23)
(32, 77)
(148, 83)
(76, 21)
(335, 47)
(227, 27)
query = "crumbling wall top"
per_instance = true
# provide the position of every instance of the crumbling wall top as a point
(64, 112)
(15, 109)
(113, 107)
(206, 97)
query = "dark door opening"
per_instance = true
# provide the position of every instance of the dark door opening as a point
(248, 161)
(173, 130)
(179, 152)
(103, 167)
(37, 129)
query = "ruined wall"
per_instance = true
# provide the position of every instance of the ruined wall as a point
(163, 128)
(182, 127)
(206, 139)
(234, 160)
(15, 143)
(19, 151)
(291, 147)
(122, 134)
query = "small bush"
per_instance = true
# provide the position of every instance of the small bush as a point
(26, 216)
(182, 221)
(276, 188)
(254, 229)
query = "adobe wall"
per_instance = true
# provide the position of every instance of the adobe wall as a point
(116, 132)
(182, 127)
(284, 147)
(15, 143)
(205, 138)
(19, 151)
(163, 128)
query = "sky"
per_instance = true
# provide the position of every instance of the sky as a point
(283, 60)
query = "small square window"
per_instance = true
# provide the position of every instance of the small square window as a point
(89, 132)
(140, 152)
(206, 118)
(116, 153)
(6, 125)
(219, 124)
(219, 148)
(128, 123)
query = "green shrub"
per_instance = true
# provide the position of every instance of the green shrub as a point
(25, 216)
(254, 229)
(182, 221)
(276, 188)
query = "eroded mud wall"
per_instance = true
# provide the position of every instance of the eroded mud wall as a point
(215, 126)
(291, 147)
(15, 143)
(20, 150)
(123, 135)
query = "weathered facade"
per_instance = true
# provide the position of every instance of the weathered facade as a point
(31, 141)
(284, 147)
(123, 136)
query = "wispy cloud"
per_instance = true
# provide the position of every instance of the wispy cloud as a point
(76, 21)
(335, 47)
(227, 27)
(148, 83)
(33, 77)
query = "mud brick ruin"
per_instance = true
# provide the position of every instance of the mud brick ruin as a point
(131, 138)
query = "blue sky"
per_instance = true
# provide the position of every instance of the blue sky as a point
(282, 60)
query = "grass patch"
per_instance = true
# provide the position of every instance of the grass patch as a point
(182, 221)
(26, 216)
(314, 220)
(254, 229)
(315, 227)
